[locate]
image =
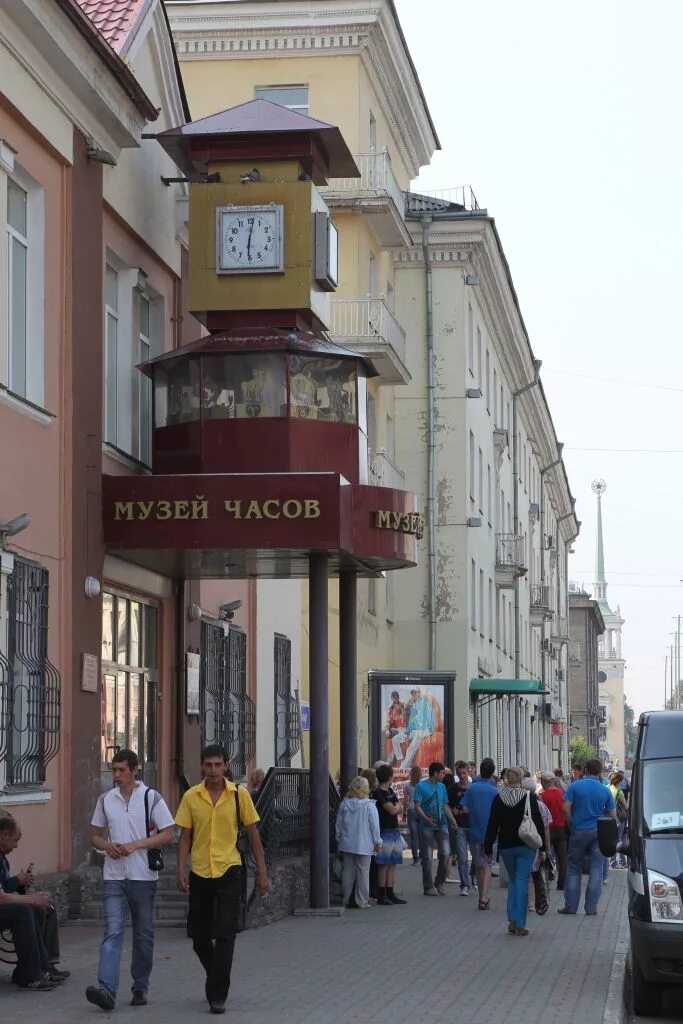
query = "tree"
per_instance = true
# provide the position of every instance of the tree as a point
(630, 732)
(580, 751)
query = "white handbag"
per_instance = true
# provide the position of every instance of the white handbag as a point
(527, 831)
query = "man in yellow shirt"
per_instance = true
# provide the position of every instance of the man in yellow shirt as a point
(208, 819)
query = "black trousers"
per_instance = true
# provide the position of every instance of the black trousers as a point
(213, 916)
(558, 839)
(22, 921)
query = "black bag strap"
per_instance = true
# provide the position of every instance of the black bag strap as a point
(147, 792)
(243, 869)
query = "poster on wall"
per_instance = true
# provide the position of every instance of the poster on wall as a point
(412, 719)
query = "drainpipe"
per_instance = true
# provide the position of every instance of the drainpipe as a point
(515, 527)
(431, 489)
(541, 516)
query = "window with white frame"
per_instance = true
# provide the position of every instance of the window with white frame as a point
(111, 359)
(492, 625)
(479, 363)
(294, 97)
(21, 335)
(481, 481)
(482, 607)
(470, 341)
(134, 328)
(473, 595)
(473, 468)
(488, 381)
(488, 495)
(496, 421)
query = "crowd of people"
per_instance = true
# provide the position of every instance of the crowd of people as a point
(532, 830)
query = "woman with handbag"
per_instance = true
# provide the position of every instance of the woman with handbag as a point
(615, 781)
(515, 821)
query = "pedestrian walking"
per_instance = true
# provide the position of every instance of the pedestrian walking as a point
(585, 801)
(358, 837)
(129, 823)
(507, 811)
(210, 816)
(538, 889)
(461, 829)
(553, 798)
(391, 853)
(615, 787)
(431, 799)
(410, 812)
(477, 801)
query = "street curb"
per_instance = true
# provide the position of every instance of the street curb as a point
(616, 1010)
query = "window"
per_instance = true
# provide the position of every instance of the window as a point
(287, 724)
(29, 683)
(111, 359)
(505, 626)
(502, 417)
(496, 421)
(473, 596)
(294, 97)
(227, 712)
(144, 386)
(479, 363)
(488, 494)
(470, 341)
(492, 625)
(130, 681)
(473, 467)
(481, 482)
(133, 333)
(488, 381)
(22, 367)
(372, 596)
(482, 606)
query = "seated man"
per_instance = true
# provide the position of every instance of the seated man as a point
(31, 918)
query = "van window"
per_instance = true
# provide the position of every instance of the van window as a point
(663, 795)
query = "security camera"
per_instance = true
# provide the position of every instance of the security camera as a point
(16, 525)
(227, 610)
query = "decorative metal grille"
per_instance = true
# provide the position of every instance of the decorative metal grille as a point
(30, 686)
(228, 713)
(284, 808)
(287, 723)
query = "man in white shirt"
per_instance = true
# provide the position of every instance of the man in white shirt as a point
(118, 827)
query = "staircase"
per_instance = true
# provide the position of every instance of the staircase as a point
(170, 906)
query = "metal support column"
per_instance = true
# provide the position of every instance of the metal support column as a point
(348, 662)
(320, 769)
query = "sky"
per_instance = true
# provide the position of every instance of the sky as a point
(566, 121)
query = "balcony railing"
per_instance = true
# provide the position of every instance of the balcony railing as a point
(560, 628)
(376, 176)
(450, 199)
(510, 551)
(382, 472)
(541, 597)
(367, 319)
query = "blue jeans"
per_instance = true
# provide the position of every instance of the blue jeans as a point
(584, 844)
(461, 837)
(430, 838)
(118, 897)
(518, 862)
(413, 825)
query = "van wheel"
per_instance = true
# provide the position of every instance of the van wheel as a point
(646, 997)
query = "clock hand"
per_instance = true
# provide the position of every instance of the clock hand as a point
(251, 231)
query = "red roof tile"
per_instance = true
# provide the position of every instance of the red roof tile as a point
(113, 18)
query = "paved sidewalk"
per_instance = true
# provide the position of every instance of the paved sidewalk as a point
(386, 965)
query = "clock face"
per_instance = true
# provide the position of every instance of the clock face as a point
(249, 239)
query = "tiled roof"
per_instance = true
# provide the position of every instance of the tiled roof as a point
(114, 19)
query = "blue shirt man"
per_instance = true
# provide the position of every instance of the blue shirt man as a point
(430, 798)
(477, 801)
(585, 802)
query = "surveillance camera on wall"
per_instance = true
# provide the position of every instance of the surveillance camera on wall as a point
(227, 610)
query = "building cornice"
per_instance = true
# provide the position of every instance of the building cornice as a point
(244, 31)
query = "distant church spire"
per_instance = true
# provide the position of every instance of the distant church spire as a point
(600, 583)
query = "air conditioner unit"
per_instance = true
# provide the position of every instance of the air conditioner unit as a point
(534, 508)
(545, 645)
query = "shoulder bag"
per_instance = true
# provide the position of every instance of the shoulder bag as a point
(527, 831)
(155, 858)
(242, 844)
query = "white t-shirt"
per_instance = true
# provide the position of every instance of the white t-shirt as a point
(126, 822)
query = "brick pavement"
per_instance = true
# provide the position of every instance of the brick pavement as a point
(386, 965)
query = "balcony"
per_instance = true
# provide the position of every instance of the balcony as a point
(368, 326)
(382, 472)
(540, 604)
(559, 631)
(510, 559)
(377, 194)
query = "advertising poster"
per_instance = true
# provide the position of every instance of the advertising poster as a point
(412, 726)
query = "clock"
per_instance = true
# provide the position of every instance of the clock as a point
(249, 239)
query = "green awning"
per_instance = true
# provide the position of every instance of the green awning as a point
(498, 687)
